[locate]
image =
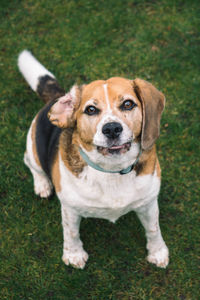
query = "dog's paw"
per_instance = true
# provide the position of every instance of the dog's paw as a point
(160, 258)
(42, 186)
(76, 259)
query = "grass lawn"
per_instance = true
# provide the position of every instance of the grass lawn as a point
(82, 41)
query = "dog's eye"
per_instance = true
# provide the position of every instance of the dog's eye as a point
(91, 110)
(128, 105)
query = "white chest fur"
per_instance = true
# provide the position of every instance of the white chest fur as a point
(102, 195)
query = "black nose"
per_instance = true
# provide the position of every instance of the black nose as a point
(112, 130)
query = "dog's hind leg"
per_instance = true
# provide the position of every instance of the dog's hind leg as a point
(42, 184)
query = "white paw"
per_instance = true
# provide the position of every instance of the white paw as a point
(160, 258)
(42, 186)
(76, 259)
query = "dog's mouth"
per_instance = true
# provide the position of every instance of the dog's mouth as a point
(115, 149)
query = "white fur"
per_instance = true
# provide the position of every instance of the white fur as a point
(104, 195)
(107, 98)
(158, 253)
(109, 196)
(73, 252)
(31, 69)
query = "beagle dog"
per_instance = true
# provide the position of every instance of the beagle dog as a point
(95, 146)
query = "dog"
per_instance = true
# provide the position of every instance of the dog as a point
(95, 146)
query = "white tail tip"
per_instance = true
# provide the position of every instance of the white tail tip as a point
(31, 69)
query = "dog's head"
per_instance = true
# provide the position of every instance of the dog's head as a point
(111, 119)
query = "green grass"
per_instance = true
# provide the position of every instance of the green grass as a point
(82, 41)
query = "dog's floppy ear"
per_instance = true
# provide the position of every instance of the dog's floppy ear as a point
(153, 102)
(62, 112)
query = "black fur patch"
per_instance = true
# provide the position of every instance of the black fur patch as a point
(47, 139)
(139, 168)
(48, 88)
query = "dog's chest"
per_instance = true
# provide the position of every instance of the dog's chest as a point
(102, 195)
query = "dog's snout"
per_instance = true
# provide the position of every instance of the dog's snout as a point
(112, 130)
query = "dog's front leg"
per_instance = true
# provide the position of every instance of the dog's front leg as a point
(157, 250)
(73, 252)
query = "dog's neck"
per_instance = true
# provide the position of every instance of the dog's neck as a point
(98, 168)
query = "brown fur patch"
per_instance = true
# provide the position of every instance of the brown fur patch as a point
(70, 153)
(153, 102)
(55, 173)
(158, 169)
(33, 137)
(147, 163)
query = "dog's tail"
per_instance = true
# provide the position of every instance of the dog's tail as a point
(38, 77)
